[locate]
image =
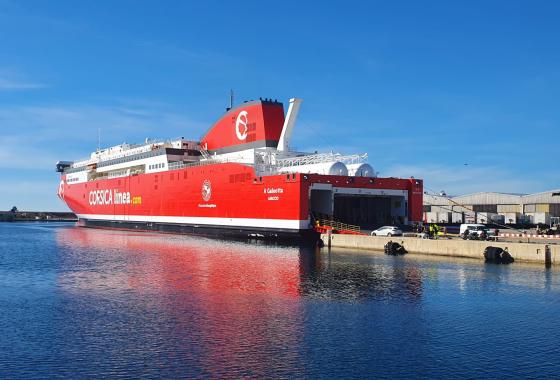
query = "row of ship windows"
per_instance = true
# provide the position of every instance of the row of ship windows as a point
(132, 158)
(232, 178)
(118, 173)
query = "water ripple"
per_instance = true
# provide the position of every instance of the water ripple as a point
(84, 303)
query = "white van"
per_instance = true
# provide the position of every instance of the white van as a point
(478, 228)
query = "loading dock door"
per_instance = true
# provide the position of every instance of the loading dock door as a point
(365, 211)
(321, 203)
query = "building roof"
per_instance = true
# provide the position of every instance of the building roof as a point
(494, 198)
(543, 197)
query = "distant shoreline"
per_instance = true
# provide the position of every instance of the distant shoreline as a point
(37, 216)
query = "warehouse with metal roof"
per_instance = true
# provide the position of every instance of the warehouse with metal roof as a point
(489, 207)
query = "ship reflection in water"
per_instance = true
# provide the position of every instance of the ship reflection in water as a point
(217, 307)
(171, 264)
(87, 303)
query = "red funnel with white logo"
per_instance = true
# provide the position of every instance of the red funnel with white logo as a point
(255, 124)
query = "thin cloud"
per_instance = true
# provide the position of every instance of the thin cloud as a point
(12, 79)
(11, 156)
(71, 132)
(464, 180)
(13, 85)
(78, 122)
(35, 137)
(206, 58)
(37, 195)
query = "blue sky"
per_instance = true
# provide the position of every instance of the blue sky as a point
(423, 87)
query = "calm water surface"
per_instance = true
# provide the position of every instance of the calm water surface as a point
(84, 303)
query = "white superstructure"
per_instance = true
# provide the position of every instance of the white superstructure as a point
(155, 156)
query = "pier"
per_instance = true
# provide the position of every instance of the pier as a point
(540, 253)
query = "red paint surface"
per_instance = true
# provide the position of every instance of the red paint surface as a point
(236, 193)
(258, 115)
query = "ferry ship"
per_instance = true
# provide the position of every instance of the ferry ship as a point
(240, 179)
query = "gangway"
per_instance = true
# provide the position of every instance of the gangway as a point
(323, 225)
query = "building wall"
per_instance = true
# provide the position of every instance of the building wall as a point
(486, 208)
(502, 208)
(509, 208)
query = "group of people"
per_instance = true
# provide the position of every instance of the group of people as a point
(431, 230)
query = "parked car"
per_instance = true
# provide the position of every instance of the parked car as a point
(386, 231)
(476, 228)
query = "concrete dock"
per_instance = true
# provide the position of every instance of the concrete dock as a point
(545, 254)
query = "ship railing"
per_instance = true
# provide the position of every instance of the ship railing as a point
(127, 150)
(173, 166)
(326, 222)
(204, 153)
(213, 161)
(321, 158)
(266, 169)
(176, 165)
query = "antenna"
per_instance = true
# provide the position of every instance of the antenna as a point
(230, 99)
(98, 139)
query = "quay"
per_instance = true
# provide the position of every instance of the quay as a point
(546, 254)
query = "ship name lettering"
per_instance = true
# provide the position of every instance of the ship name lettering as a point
(108, 197)
(100, 197)
(122, 198)
(274, 190)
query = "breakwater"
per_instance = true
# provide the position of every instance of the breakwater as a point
(45, 216)
(546, 254)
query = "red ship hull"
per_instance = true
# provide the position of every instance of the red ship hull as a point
(219, 184)
(224, 198)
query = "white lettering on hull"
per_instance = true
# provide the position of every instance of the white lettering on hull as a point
(274, 190)
(108, 197)
(274, 193)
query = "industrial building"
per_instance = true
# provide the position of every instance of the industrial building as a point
(488, 207)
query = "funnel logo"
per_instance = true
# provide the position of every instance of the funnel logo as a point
(206, 190)
(61, 189)
(241, 125)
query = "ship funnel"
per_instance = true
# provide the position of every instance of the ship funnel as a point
(289, 123)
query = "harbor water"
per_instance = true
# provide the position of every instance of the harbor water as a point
(87, 303)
